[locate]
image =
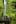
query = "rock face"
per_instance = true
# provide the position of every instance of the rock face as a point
(5, 20)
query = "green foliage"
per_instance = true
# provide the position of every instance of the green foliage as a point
(1, 7)
(10, 9)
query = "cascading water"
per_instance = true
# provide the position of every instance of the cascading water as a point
(4, 13)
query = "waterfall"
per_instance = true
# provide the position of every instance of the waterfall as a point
(4, 13)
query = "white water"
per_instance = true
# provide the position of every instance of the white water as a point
(4, 13)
